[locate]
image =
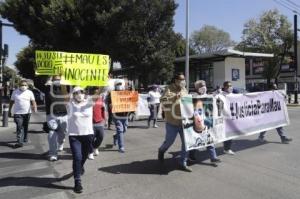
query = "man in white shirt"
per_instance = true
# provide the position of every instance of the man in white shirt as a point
(22, 98)
(154, 102)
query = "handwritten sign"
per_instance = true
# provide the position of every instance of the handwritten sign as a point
(74, 68)
(124, 101)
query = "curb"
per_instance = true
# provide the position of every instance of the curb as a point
(293, 105)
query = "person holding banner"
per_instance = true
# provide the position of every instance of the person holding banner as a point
(280, 131)
(200, 87)
(171, 106)
(120, 119)
(81, 133)
(227, 89)
(154, 102)
(56, 116)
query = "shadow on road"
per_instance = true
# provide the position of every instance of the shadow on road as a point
(9, 144)
(31, 156)
(36, 182)
(152, 167)
(36, 132)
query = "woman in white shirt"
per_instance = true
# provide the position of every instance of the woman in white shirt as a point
(154, 102)
(80, 129)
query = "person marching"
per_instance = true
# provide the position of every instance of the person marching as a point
(227, 89)
(81, 133)
(171, 98)
(21, 99)
(120, 119)
(280, 131)
(201, 90)
(56, 116)
(154, 102)
(98, 121)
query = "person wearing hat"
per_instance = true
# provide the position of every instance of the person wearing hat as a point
(201, 90)
(154, 102)
(80, 129)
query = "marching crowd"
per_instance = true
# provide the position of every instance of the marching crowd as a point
(82, 114)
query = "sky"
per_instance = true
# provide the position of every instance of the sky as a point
(229, 15)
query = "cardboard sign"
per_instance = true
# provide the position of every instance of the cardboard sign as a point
(74, 68)
(124, 101)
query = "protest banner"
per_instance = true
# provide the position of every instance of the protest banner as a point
(74, 68)
(254, 112)
(197, 119)
(214, 119)
(143, 106)
(124, 101)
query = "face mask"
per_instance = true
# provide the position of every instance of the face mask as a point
(79, 97)
(182, 83)
(119, 88)
(56, 82)
(23, 88)
(230, 89)
(202, 90)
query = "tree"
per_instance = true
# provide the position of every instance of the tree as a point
(135, 32)
(271, 33)
(210, 39)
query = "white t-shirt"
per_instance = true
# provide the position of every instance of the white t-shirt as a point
(80, 118)
(22, 101)
(154, 97)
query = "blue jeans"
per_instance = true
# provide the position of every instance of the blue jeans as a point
(280, 132)
(154, 108)
(98, 136)
(80, 146)
(171, 134)
(121, 127)
(22, 122)
(211, 150)
(57, 131)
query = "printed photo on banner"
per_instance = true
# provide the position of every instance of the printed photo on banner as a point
(124, 101)
(197, 120)
(74, 68)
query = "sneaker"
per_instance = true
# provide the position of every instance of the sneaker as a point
(155, 126)
(18, 145)
(78, 187)
(261, 140)
(60, 147)
(25, 141)
(186, 168)
(285, 140)
(53, 158)
(91, 156)
(121, 150)
(229, 152)
(96, 152)
(215, 160)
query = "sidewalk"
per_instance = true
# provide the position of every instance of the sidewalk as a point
(11, 124)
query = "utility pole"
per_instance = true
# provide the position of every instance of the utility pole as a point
(187, 48)
(2, 64)
(296, 58)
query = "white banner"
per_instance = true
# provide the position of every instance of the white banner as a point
(212, 119)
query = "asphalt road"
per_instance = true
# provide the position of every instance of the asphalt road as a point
(261, 171)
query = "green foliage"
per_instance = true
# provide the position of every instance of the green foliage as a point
(271, 33)
(210, 39)
(135, 32)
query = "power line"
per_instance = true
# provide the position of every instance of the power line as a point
(293, 3)
(286, 6)
(290, 4)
